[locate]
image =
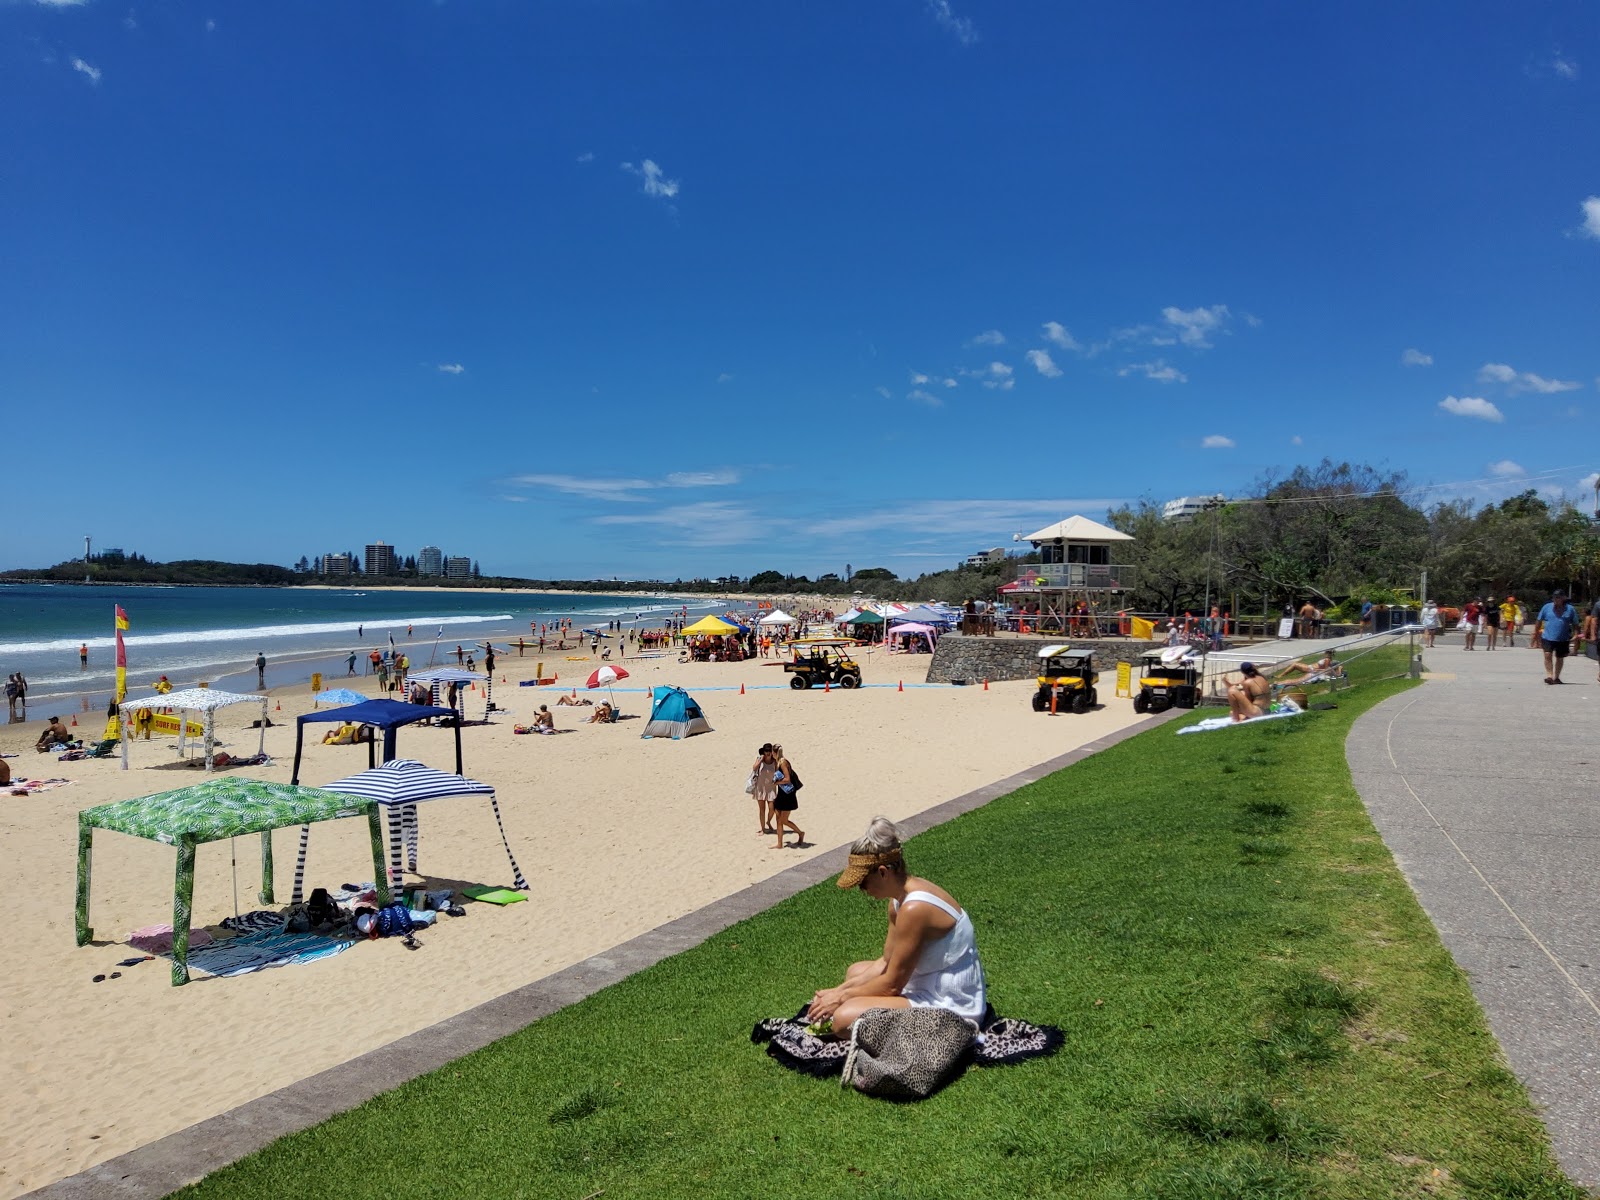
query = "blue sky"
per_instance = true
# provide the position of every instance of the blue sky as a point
(648, 289)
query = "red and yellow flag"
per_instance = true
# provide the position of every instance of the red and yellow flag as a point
(113, 719)
(122, 618)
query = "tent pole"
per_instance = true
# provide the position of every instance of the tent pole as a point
(458, 747)
(375, 827)
(266, 867)
(300, 865)
(85, 862)
(211, 734)
(182, 905)
(261, 746)
(299, 738)
(396, 876)
(517, 879)
(372, 750)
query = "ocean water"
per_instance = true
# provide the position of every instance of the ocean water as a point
(213, 634)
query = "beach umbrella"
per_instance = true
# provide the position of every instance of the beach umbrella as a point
(340, 697)
(605, 677)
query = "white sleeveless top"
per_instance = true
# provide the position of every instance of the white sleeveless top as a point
(948, 973)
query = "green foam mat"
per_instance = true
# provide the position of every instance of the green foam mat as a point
(490, 895)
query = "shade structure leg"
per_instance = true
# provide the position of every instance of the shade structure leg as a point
(517, 880)
(85, 864)
(300, 864)
(182, 906)
(266, 867)
(408, 823)
(211, 738)
(375, 826)
(396, 876)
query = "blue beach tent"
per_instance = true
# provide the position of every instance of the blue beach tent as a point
(674, 714)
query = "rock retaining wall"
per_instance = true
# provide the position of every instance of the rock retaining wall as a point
(979, 658)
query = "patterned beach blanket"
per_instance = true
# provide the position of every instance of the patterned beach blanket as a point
(242, 955)
(260, 921)
(27, 787)
(157, 939)
(1002, 1042)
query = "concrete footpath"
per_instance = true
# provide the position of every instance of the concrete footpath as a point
(1483, 784)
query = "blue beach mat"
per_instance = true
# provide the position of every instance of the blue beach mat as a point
(240, 956)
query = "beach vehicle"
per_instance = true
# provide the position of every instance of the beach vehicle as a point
(1169, 677)
(1066, 678)
(817, 661)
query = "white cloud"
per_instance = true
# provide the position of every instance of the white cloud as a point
(1044, 364)
(958, 27)
(452, 368)
(623, 490)
(1564, 66)
(922, 397)
(59, 3)
(1157, 370)
(948, 382)
(1506, 469)
(1217, 441)
(211, 25)
(709, 523)
(586, 157)
(1055, 331)
(1523, 381)
(918, 379)
(993, 518)
(1297, 440)
(989, 337)
(884, 392)
(1589, 481)
(1471, 406)
(92, 72)
(1195, 326)
(1591, 217)
(130, 21)
(1000, 377)
(1410, 357)
(724, 378)
(656, 182)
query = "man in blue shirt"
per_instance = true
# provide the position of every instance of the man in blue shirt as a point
(1554, 630)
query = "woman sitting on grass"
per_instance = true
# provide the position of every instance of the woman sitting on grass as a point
(930, 957)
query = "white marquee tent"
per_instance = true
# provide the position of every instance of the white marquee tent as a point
(202, 700)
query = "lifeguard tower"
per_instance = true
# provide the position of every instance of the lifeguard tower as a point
(1075, 571)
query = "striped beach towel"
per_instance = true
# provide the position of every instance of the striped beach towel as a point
(240, 956)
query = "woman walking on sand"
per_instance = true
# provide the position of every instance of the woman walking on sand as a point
(763, 785)
(787, 799)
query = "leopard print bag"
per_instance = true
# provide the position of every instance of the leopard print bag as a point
(907, 1053)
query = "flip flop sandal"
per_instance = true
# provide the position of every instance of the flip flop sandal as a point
(98, 979)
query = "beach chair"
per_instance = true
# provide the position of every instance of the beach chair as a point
(105, 749)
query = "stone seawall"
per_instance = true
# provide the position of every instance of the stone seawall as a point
(980, 658)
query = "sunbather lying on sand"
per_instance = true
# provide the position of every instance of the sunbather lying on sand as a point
(572, 701)
(1299, 672)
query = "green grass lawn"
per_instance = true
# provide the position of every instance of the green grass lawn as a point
(1254, 1003)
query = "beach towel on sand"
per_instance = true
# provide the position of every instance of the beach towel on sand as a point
(258, 951)
(1001, 1042)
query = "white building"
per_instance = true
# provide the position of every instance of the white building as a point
(457, 568)
(984, 557)
(1185, 507)
(430, 561)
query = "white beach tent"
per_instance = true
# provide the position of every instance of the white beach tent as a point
(776, 617)
(437, 677)
(203, 700)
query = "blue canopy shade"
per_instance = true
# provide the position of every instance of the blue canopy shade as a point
(387, 715)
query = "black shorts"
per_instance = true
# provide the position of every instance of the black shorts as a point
(785, 802)
(1559, 649)
(1492, 620)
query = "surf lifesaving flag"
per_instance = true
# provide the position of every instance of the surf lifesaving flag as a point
(114, 721)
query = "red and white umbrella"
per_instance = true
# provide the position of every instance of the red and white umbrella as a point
(605, 677)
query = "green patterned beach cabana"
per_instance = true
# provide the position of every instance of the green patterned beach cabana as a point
(210, 812)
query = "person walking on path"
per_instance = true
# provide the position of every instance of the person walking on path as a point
(261, 671)
(1430, 624)
(1491, 621)
(350, 665)
(763, 785)
(1508, 619)
(787, 799)
(12, 692)
(1469, 623)
(1552, 631)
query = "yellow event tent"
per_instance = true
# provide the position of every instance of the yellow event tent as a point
(709, 625)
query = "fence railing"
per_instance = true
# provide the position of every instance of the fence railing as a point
(1109, 577)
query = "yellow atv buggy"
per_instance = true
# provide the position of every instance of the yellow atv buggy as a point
(1168, 678)
(822, 660)
(1066, 677)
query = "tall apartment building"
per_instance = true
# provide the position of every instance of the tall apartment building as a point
(430, 561)
(336, 564)
(381, 560)
(458, 568)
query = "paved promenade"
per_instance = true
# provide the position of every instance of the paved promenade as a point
(1483, 784)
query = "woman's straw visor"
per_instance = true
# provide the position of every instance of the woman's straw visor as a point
(862, 865)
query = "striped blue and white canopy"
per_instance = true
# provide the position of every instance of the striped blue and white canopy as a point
(406, 781)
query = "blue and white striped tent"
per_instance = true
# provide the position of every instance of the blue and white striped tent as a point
(400, 785)
(674, 714)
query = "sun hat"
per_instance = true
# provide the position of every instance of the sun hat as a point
(862, 865)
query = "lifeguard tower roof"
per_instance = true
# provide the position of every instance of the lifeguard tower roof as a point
(1079, 529)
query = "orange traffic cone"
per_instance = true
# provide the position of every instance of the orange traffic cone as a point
(280, 705)
(902, 686)
(825, 686)
(986, 683)
(74, 719)
(741, 689)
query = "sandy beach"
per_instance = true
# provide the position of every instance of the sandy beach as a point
(615, 834)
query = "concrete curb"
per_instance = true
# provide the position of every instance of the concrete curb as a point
(185, 1157)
